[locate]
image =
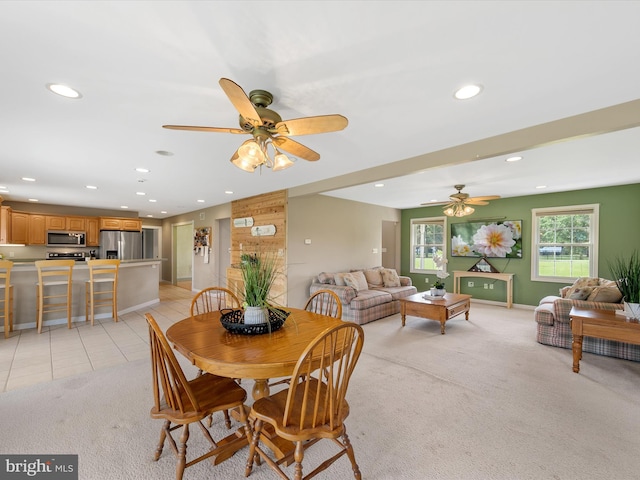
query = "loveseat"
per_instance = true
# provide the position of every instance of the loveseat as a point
(553, 321)
(367, 294)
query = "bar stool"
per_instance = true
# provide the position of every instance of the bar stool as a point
(51, 300)
(102, 272)
(6, 296)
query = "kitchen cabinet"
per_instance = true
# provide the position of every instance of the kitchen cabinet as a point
(56, 223)
(75, 224)
(37, 233)
(92, 225)
(127, 224)
(19, 227)
(5, 225)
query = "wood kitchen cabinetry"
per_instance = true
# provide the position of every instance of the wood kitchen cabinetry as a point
(127, 224)
(93, 231)
(5, 225)
(55, 222)
(31, 228)
(19, 227)
(37, 233)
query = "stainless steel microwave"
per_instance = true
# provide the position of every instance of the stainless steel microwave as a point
(66, 239)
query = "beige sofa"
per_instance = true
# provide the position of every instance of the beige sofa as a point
(553, 321)
(367, 294)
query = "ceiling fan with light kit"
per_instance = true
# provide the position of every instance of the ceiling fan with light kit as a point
(459, 204)
(268, 130)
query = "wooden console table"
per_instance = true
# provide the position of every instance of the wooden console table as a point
(505, 277)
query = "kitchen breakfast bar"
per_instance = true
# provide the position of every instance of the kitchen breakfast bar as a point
(138, 287)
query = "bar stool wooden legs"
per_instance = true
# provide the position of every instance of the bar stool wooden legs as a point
(102, 272)
(52, 276)
(6, 296)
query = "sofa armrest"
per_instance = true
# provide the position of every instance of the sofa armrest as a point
(562, 307)
(344, 292)
(405, 281)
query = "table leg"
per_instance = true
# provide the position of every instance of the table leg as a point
(442, 322)
(260, 388)
(576, 347)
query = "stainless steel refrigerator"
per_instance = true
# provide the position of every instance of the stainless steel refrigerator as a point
(121, 245)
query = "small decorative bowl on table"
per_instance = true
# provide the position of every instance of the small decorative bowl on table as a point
(233, 321)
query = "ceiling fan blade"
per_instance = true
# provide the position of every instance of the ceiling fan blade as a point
(205, 129)
(295, 148)
(435, 204)
(475, 201)
(241, 101)
(486, 197)
(312, 125)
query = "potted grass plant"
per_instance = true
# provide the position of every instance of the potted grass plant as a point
(258, 275)
(626, 273)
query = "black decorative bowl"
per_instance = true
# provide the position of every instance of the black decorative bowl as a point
(233, 321)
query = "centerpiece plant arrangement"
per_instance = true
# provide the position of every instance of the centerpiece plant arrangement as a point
(626, 273)
(259, 272)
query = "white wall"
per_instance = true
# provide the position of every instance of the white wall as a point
(343, 235)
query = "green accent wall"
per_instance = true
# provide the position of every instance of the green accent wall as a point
(619, 232)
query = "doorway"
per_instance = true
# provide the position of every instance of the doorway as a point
(182, 275)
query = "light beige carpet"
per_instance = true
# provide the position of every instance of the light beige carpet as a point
(484, 401)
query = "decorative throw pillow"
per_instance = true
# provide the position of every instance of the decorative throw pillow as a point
(373, 276)
(581, 283)
(327, 278)
(356, 280)
(390, 277)
(581, 293)
(606, 294)
(339, 279)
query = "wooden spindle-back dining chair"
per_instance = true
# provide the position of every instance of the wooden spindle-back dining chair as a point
(6, 296)
(314, 406)
(326, 303)
(213, 298)
(181, 402)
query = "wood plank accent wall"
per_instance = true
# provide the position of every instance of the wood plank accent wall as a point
(267, 209)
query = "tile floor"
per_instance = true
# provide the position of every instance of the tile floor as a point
(27, 358)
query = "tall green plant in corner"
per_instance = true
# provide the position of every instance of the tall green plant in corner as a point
(626, 273)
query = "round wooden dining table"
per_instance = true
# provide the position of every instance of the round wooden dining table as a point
(209, 346)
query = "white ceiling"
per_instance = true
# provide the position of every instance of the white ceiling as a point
(389, 67)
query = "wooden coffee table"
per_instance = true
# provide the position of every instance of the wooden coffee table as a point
(600, 324)
(434, 308)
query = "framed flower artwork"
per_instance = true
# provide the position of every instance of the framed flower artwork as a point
(499, 239)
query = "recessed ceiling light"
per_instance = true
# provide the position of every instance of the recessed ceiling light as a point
(200, 201)
(163, 211)
(164, 153)
(468, 91)
(152, 200)
(63, 90)
(541, 186)
(149, 215)
(140, 193)
(142, 170)
(28, 179)
(123, 206)
(228, 192)
(513, 159)
(33, 199)
(92, 187)
(378, 185)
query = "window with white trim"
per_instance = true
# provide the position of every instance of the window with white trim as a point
(428, 235)
(564, 243)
